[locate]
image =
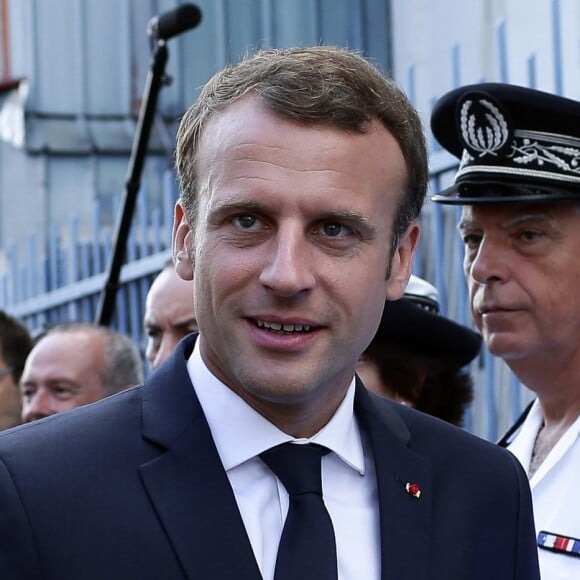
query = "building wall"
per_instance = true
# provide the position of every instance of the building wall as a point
(438, 46)
(66, 140)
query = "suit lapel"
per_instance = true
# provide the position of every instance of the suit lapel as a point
(405, 520)
(187, 484)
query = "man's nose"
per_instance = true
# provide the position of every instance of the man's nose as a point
(487, 264)
(288, 269)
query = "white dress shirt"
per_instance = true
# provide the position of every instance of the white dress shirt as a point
(554, 491)
(348, 476)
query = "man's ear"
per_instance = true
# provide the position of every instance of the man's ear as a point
(182, 245)
(402, 261)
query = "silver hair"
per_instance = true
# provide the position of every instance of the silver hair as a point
(123, 364)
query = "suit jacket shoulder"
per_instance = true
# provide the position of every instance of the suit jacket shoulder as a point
(473, 515)
(130, 487)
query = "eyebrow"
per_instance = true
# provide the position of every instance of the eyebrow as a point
(528, 217)
(349, 216)
(518, 219)
(52, 383)
(186, 322)
(238, 204)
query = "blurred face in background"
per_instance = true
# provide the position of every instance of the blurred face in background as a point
(9, 397)
(63, 371)
(169, 315)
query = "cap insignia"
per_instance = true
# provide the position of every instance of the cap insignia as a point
(532, 149)
(485, 129)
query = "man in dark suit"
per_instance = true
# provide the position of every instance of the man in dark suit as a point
(302, 174)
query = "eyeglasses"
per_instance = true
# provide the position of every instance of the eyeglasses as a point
(5, 372)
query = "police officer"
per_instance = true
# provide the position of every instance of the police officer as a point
(519, 185)
(418, 355)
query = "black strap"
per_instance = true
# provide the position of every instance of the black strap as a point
(506, 438)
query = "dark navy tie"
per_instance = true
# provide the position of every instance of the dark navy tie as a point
(307, 548)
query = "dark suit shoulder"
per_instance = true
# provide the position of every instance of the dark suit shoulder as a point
(109, 426)
(94, 416)
(447, 446)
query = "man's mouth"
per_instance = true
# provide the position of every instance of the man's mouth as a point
(283, 328)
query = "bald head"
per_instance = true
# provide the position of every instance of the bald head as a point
(169, 315)
(75, 364)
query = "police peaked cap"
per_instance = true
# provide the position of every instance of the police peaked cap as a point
(415, 322)
(515, 144)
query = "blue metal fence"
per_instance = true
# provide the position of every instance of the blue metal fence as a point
(65, 283)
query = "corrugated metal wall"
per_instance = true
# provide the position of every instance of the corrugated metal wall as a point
(85, 64)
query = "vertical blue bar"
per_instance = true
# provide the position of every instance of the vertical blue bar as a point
(120, 317)
(462, 297)
(32, 262)
(418, 262)
(85, 251)
(490, 396)
(502, 51)
(3, 291)
(435, 146)
(132, 244)
(134, 311)
(532, 82)
(169, 199)
(142, 222)
(439, 230)
(557, 39)
(75, 274)
(12, 254)
(74, 267)
(97, 260)
(53, 259)
(156, 227)
(412, 85)
(22, 283)
(456, 65)
(357, 33)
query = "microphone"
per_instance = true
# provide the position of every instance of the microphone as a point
(174, 22)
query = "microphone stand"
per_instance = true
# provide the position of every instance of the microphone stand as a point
(155, 80)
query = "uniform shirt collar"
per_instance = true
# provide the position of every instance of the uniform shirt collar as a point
(240, 433)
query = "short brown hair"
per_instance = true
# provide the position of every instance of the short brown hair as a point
(322, 85)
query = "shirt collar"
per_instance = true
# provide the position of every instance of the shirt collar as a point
(241, 433)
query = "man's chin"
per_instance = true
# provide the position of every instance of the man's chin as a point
(504, 347)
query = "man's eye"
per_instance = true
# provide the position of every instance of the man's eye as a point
(335, 230)
(471, 240)
(530, 235)
(63, 391)
(27, 393)
(245, 221)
